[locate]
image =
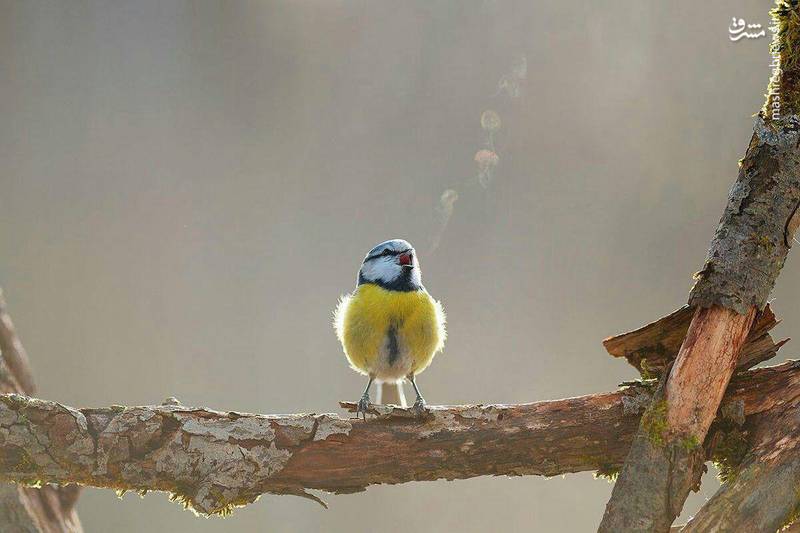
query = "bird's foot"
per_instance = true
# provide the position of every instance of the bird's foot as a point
(363, 405)
(420, 406)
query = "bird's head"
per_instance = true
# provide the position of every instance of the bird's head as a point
(392, 265)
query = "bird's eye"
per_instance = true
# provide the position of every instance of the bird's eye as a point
(386, 252)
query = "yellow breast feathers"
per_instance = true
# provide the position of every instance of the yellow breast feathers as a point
(389, 334)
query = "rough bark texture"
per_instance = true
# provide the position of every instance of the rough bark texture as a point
(784, 89)
(761, 494)
(666, 459)
(744, 259)
(49, 509)
(649, 470)
(752, 240)
(652, 348)
(213, 460)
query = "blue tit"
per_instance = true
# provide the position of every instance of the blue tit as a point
(390, 327)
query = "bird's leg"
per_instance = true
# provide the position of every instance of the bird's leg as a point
(363, 403)
(419, 404)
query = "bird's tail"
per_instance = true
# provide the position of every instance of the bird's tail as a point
(391, 393)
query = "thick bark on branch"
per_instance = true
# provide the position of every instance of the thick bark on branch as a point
(213, 461)
(666, 457)
(761, 493)
(744, 259)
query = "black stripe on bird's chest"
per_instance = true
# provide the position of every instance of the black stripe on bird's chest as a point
(392, 345)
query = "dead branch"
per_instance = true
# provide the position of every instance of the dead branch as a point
(213, 461)
(744, 259)
(14, 355)
(652, 348)
(760, 493)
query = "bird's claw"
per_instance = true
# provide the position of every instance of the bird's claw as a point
(420, 407)
(363, 406)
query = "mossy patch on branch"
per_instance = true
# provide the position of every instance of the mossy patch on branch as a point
(654, 422)
(608, 472)
(784, 86)
(690, 443)
(729, 452)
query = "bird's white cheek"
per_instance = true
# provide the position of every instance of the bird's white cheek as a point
(384, 270)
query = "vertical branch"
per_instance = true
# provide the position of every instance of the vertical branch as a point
(666, 457)
(761, 494)
(13, 352)
(744, 259)
(25, 509)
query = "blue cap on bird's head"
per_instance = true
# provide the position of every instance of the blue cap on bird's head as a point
(392, 265)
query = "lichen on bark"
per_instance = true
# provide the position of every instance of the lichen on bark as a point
(751, 242)
(783, 93)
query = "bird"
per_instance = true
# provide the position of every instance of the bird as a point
(389, 326)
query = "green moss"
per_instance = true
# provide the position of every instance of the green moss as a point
(608, 472)
(654, 422)
(225, 511)
(181, 493)
(228, 508)
(784, 88)
(729, 452)
(181, 498)
(690, 443)
(645, 370)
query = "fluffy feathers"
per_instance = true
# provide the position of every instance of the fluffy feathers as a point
(364, 319)
(390, 327)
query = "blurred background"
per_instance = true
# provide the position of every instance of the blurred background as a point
(187, 187)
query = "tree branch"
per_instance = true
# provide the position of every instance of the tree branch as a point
(653, 347)
(13, 352)
(744, 260)
(760, 493)
(213, 461)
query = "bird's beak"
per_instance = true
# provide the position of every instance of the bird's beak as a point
(405, 260)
